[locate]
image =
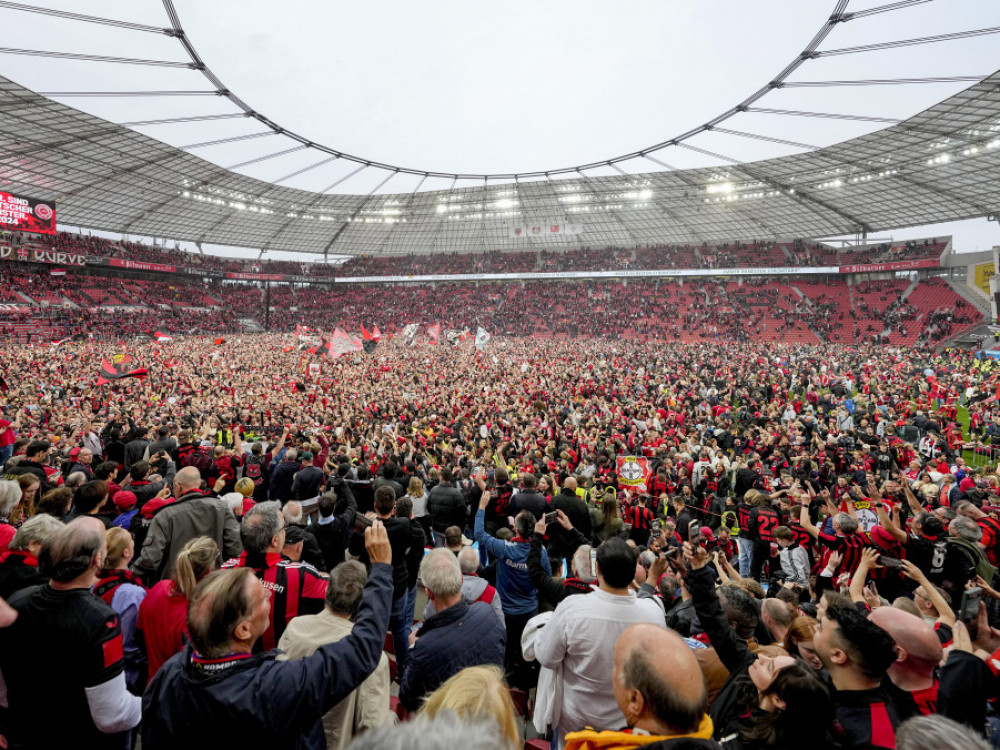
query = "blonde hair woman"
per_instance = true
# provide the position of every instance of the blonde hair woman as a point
(163, 614)
(124, 593)
(477, 693)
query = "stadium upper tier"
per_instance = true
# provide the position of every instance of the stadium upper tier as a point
(941, 165)
(37, 306)
(706, 257)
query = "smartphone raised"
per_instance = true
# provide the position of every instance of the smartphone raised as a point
(968, 611)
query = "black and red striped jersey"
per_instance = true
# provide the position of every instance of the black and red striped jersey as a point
(991, 537)
(296, 588)
(849, 546)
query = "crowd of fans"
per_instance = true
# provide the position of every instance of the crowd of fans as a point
(755, 309)
(653, 257)
(736, 545)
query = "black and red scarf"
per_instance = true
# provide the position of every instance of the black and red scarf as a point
(106, 587)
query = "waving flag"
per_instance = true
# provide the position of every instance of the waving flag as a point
(369, 339)
(482, 338)
(434, 332)
(376, 333)
(409, 333)
(162, 336)
(632, 472)
(118, 367)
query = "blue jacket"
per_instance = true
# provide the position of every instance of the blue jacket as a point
(246, 701)
(464, 635)
(517, 592)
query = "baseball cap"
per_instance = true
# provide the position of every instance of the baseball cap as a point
(294, 534)
(74, 452)
(706, 531)
(306, 456)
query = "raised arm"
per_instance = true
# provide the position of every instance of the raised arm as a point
(807, 524)
(731, 650)
(946, 615)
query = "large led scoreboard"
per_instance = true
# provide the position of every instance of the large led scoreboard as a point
(20, 214)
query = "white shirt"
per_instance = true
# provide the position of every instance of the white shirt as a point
(581, 637)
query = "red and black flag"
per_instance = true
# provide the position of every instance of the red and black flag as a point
(369, 339)
(119, 366)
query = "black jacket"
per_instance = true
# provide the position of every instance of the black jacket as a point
(17, 572)
(464, 635)
(258, 701)
(282, 476)
(311, 552)
(145, 491)
(333, 536)
(549, 589)
(398, 530)
(307, 483)
(396, 486)
(446, 506)
(561, 542)
(531, 500)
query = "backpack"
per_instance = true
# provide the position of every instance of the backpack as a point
(255, 469)
(201, 460)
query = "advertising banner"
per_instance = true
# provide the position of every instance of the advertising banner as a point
(139, 265)
(255, 276)
(34, 255)
(896, 265)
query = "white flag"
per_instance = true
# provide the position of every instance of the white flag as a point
(482, 338)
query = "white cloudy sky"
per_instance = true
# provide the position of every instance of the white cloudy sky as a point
(522, 85)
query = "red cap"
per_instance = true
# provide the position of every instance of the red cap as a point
(74, 452)
(124, 500)
(706, 531)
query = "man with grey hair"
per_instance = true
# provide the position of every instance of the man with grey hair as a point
(19, 564)
(845, 539)
(965, 558)
(456, 636)
(474, 588)
(75, 480)
(219, 693)
(311, 553)
(296, 588)
(62, 629)
(367, 706)
(191, 515)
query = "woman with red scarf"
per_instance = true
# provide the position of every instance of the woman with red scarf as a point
(124, 592)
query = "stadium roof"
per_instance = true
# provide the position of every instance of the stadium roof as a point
(940, 165)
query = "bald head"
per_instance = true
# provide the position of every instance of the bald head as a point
(187, 479)
(920, 649)
(570, 484)
(658, 684)
(293, 511)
